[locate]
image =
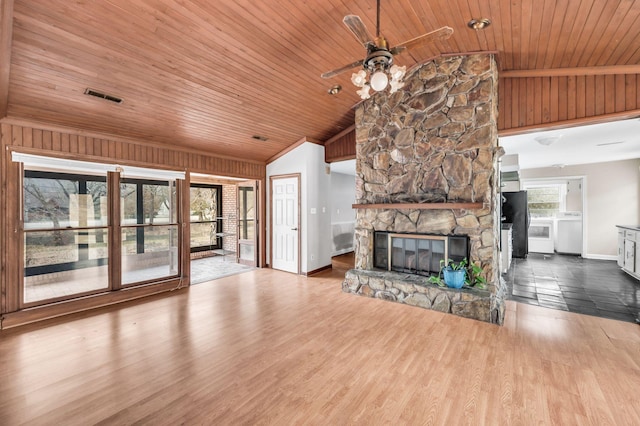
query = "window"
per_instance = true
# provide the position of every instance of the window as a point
(149, 230)
(206, 210)
(65, 235)
(246, 205)
(546, 200)
(67, 228)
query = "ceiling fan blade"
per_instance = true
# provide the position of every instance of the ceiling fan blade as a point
(439, 34)
(357, 27)
(340, 70)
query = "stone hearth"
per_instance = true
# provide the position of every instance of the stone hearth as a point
(428, 152)
(415, 291)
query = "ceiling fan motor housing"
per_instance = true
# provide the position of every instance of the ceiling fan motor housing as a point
(378, 60)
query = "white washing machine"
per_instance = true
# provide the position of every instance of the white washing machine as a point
(568, 236)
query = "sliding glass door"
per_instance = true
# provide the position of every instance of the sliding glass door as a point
(149, 230)
(77, 242)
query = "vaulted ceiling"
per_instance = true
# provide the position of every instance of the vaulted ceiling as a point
(210, 75)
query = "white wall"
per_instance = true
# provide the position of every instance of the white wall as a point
(612, 195)
(315, 228)
(343, 216)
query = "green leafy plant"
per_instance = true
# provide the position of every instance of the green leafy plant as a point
(474, 276)
(437, 280)
(454, 266)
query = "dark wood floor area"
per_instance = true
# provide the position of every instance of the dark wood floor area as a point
(267, 347)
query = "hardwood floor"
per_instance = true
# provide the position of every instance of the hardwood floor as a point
(267, 347)
(343, 262)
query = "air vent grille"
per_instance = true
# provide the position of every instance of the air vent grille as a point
(101, 95)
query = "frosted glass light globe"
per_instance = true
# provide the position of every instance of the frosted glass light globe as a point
(379, 81)
(364, 92)
(359, 78)
(397, 72)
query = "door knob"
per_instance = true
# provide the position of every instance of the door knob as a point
(294, 229)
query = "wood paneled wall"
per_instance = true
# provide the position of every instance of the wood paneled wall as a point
(6, 32)
(81, 146)
(536, 101)
(341, 147)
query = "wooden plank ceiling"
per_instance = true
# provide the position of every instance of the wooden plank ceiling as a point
(210, 75)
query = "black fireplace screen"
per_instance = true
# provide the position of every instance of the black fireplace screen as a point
(417, 253)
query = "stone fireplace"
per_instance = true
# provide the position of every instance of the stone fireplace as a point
(426, 171)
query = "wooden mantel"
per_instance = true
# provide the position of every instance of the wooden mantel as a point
(420, 206)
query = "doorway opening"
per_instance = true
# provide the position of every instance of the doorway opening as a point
(557, 207)
(223, 227)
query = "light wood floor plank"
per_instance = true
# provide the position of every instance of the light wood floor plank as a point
(267, 347)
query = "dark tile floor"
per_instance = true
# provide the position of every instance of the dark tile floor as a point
(574, 284)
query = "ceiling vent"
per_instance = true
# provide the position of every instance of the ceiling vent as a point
(97, 94)
(609, 143)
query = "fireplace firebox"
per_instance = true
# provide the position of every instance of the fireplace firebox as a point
(418, 254)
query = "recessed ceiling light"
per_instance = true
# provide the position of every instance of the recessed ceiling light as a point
(260, 138)
(479, 24)
(335, 89)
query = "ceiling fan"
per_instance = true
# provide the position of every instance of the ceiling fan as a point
(379, 60)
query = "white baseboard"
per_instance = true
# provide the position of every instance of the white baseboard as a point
(601, 257)
(343, 251)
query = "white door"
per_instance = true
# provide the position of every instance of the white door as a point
(284, 201)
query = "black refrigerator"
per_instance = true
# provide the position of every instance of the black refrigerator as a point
(516, 211)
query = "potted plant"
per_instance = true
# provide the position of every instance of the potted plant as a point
(454, 272)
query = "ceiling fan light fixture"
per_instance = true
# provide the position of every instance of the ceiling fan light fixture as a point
(378, 71)
(379, 80)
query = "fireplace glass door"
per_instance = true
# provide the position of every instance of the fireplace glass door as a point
(416, 253)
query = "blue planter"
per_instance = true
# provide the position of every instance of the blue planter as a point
(454, 278)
